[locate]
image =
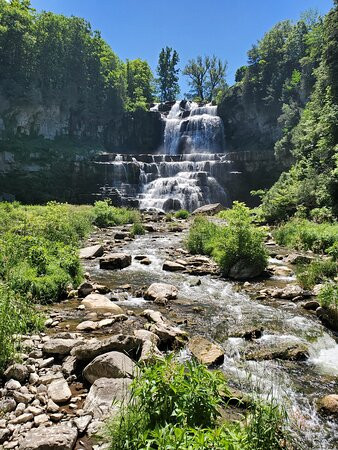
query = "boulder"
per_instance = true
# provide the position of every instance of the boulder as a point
(106, 396)
(295, 258)
(85, 289)
(283, 351)
(59, 346)
(171, 266)
(95, 347)
(244, 270)
(87, 325)
(114, 261)
(93, 251)
(149, 351)
(100, 303)
(167, 333)
(82, 423)
(206, 352)
(211, 209)
(311, 305)
(161, 290)
(109, 365)
(56, 437)
(59, 392)
(17, 372)
(329, 404)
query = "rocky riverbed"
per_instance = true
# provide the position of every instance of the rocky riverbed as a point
(147, 296)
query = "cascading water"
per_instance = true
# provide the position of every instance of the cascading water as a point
(191, 172)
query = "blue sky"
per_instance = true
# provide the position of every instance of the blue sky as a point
(226, 28)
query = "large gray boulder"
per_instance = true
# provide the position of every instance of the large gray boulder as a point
(101, 303)
(211, 209)
(114, 261)
(57, 437)
(106, 396)
(95, 347)
(161, 290)
(93, 251)
(244, 270)
(109, 365)
(59, 346)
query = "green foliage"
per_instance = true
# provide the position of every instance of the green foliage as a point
(177, 406)
(240, 240)
(106, 215)
(328, 296)
(17, 316)
(139, 85)
(137, 229)
(167, 82)
(316, 272)
(302, 234)
(201, 234)
(39, 248)
(206, 77)
(182, 214)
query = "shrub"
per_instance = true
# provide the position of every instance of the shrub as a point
(17, 315)
(137, 229)
(302, 234)
(328, 296)
(201, 234)
(316, 272)
(106, 215)
(182, 214)
(240, 240)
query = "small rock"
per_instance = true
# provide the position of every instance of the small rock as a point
(161, 290)
(85, 289)
(205, 351)
(59, 391)
(56, 437)
(329, 404)
(311, 305)
(171, 266)
(59, 346)
(41, 419)
(7, 404)
(12, 385)
(23, 418)
(114, 261)
(110, 365)
(82, 423)
(87, 325)
(52, 407)
(17, 372)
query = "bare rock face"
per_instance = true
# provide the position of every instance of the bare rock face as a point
(206, 352)
(101, 303)
(109, 365)
(210, 209)
(93, 251)
(119, 343)
(114, 261)
(57, 437)
(106, 396)
(161, 290)
(329, 404)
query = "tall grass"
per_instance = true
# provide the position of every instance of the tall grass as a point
(302, 234)
(316, 272)
(178, 406)
(106, 215)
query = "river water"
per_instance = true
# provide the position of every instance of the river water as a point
(221, 310)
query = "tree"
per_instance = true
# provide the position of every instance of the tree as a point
(167, 72)
(207, 76)
(139, 84)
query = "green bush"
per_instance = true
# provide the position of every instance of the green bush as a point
(17, 316)
(137, 229)
(302, 234)
(106, 215)
(328, 296)
(182, 214)
(240, 240)
(177, 406)
(201, 235)
(316, 272)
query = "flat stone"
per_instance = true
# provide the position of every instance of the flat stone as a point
(56, 437)
(59, 346)
(95, 347)
(41, 419)
(161, 290)
(109, 365)
(211, 209)
(171, 266)
(7, 404)
(93, 251)
(82, 423)
(114, 261)
(4, 435)
(100, 303)
(59, 391)
(87, 325)
(106, 396)
(206, 352)
(23, 418)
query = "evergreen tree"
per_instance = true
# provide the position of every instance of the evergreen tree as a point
(167, 72)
